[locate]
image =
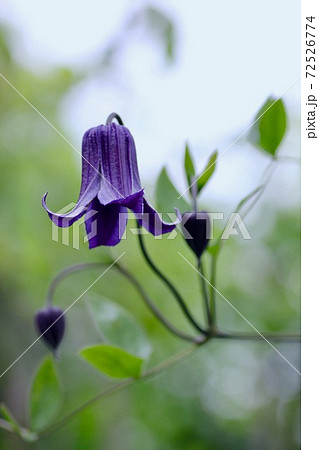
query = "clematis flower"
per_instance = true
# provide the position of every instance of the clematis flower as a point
(110, 186)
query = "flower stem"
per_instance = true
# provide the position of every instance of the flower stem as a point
(170, 286)
(194, 193)
(213, 293)
(78, 267)
(256, 337)
(154, 309)
(7, 426)
(113, 116)
(65, 273)
(207, 309)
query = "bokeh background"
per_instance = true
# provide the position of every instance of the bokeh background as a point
(174, 71)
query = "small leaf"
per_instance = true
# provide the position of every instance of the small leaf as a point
(188, 165)
(45, 396)
(113, 361)
(270, 127)
(167, 197)
(119, 327)
(207, 172)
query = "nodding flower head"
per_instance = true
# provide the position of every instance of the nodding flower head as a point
(196, 231)
(50, 323)
(110, 186)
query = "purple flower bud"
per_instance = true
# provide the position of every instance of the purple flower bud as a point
(50, 323)
(196, 231)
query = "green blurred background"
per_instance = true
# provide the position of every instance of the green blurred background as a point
(227, 395)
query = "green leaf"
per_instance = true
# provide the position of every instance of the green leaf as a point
(189, 165)
(269, 130)
(119, 327)
(167, 197)
(45, 396)
(207, 172)
(113, 361)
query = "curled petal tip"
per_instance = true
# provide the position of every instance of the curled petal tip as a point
(62, 219)
(178, 214)
(44, 197)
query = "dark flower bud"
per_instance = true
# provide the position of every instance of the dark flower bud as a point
(196, 231)
(50, 323)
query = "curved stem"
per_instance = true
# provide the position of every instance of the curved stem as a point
(194, 193)
(256, 337)
(65, 273)
(113, 116)
(205, 295)
(154, 309)
(171, 287)
(266, 177)
(77, 267)
(255, 195)
(7, 426)
(213, 293)
(288, 158)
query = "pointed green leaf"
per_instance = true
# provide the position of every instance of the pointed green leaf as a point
(207, 172)
(113, 361)
(45, 395)
(270, 127)
(119, 327)
(167, 197)
(188, 165)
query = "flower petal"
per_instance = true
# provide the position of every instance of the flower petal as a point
(105, 224)
(120, 177)
(90, 160)
(133, 202)
(149, 218)
(90, 183)
(67, 219)
(64, 220)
